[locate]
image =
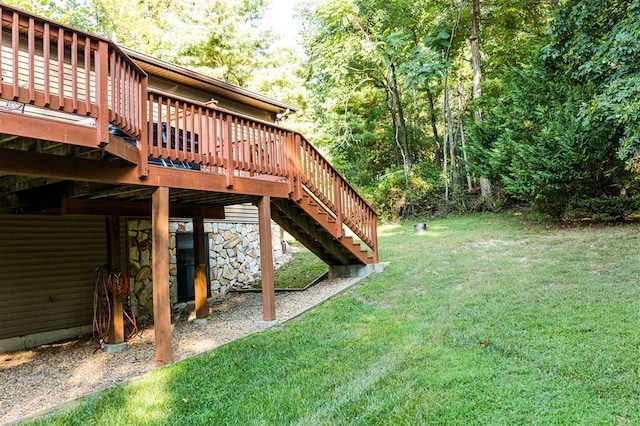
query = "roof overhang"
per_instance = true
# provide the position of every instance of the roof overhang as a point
(169, 71)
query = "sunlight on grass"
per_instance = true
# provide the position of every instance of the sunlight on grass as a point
(389, 229)
(145, 403)
(491, 320)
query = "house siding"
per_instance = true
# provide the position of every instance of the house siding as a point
(46, 272)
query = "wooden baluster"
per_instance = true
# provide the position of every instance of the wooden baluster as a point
(374, 238)
(61, 82)
(125, 93)
(87, 76)
(115, 89)
(46, 54)
(145, 130)
(114, 94)
(203, 143)
(282, 153)
(191, 126)
(32, 68)
(185, 145)
(74, 72)
(175, 123)
(227, 135)
(296, 169)
(337, 188)
(166, 142)
(250, 148)
(1, 49)
(15, 39)
(216, 139)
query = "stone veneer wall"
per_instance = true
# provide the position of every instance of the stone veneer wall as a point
(234, 258)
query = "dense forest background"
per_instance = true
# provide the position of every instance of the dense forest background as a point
(431, 107)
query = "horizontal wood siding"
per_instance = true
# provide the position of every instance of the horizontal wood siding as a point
(46, 265)
(240, 213)
(183, 91)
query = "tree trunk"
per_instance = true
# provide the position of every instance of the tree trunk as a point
(434, 128)
(396, 131)
(476, 61)
(449, 125)
(463, 145)
(402, 124)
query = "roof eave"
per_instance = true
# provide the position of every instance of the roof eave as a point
(216, 86)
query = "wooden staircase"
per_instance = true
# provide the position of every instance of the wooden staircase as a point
(311, 224)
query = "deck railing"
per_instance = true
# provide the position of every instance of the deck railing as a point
(66, 73)
(48, 65)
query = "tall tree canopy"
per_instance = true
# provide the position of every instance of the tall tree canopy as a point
(560, 128)
(388, 89)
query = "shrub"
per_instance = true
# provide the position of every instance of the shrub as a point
(397, 197)
(605, 209)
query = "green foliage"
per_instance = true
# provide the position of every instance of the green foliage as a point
(534, 141)
(234, 42)
(560, 130)
(599, 41)
(605, 209)
(395, 197)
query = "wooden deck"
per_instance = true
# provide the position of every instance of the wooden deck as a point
(77, 115)
(83, 133)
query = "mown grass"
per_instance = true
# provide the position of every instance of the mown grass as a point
(301, 270)
(478, 320)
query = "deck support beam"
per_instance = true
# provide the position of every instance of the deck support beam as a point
(200, 258)
(116, 329)
(266, 260)
(160, 274)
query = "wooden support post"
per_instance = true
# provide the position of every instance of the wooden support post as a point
(266, 260)
(374, 238)
(102, 93)
(143, 143)
(160, 275)
(337, 201)
(201, 258)
(116, 330)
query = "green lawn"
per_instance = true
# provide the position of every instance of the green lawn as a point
(299, 272)
(478, 320)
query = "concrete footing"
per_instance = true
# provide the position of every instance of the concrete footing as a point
(355, 271)
(200, 321)
(116, 347)
(267, 324)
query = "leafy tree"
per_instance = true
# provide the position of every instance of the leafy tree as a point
(539, 148)
(234, 44)
(597, 45)
(558, 130)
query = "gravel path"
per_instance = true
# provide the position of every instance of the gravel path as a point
(41, 378)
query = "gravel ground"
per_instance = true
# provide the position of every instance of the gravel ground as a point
(41, 378)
